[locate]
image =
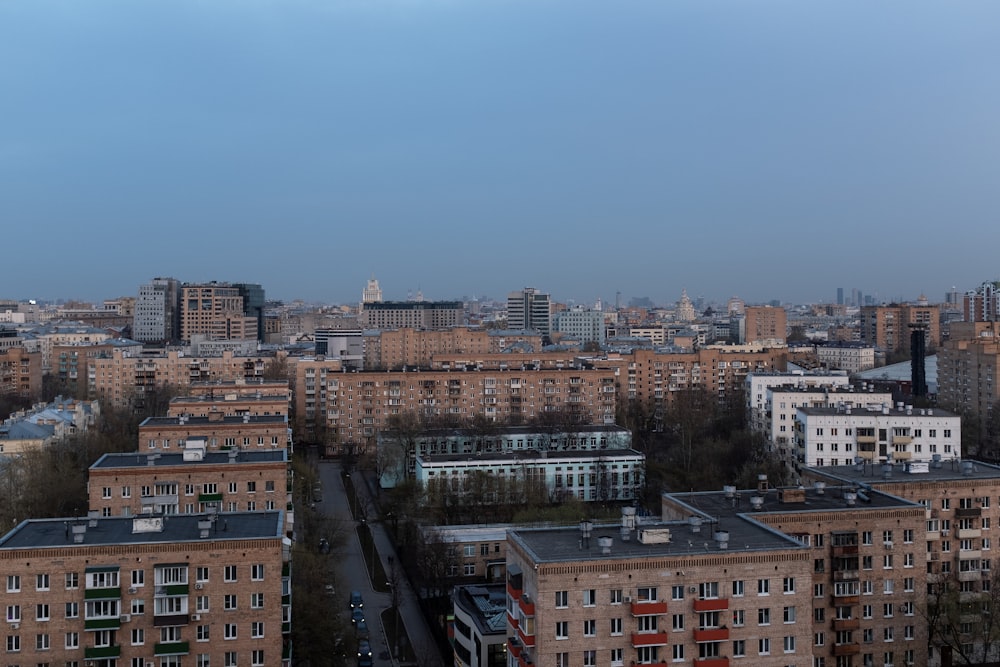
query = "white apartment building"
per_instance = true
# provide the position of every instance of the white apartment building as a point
(782, 404)
(757, 385)
(837, 435)
(846, 356)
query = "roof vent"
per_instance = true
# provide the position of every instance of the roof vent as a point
(756, 502)
(92, 517)
(967, 468)
(820, 487)
(605, 542)
(694, 522)
(851, 497)
(729, 490)
(628, 519)
(722, 538)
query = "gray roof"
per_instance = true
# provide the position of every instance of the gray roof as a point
(950, 470)
(534, 455)
(56, 533)
(25, 430)
(206, 421)
(486, 605)
(719, 505)
(142, 460)
(902, 372)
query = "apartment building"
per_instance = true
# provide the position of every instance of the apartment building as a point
(474, 552)
(70, 363)
(396, 348)
(219, 431)
(192, 481)
(962, 504)
(20, 373)
(147, 590)
(868, 575)
(968, 368)
(838, 435)
(765, 324)
(217, 310)
(757, 386)
(888, 327)
(658, 594)
(121, 377)
(582, 324)
(50, 336)
(523, 358)
(233, 403)
(359, 404)
(157, 311)
(412, 314)
(783, 404)
(311, 400)
(846, 356)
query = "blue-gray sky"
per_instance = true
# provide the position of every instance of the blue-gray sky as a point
(771, 150)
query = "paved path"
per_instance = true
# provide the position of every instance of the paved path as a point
(354, 574)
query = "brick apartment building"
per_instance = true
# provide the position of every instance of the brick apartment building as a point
(20, 373)
(218, 431)
(136, 591)
(189, 482)
(766, 324)
(233, 403)
(888, 327)
(412, 314)
(217, 310)
(396, 348)
(968, 368)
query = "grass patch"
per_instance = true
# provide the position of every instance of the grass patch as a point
(395, 634)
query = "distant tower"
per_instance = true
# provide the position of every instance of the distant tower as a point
(736, 306)
(685, 309)
(529, 309)
(918, 358)
(372, 292)
(840, 296)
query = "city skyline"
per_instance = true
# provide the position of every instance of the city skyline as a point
(772, 151)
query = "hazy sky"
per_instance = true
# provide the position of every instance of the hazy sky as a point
(771, 150)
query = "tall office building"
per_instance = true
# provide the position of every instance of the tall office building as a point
(216, 310)
(157, 311)
(840, 296)
(253, 304)
(372, 292)
(529, 309)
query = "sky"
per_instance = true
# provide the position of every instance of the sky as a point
(766, 149)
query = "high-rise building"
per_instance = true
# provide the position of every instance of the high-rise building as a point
(372, 292)
(840, 296)
(415, 314)
(157, 311)
(217, 310)
(887, 327)
(983, 303)
(685, 309)
(253, 304)
(529, 309)
(581, 324)
(766, 323)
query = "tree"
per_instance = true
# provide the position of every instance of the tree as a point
(963, 619)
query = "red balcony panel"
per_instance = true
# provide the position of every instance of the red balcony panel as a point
(514, 647)
(720, 604)
(648, 608)
(511, 620)
(846, 649)
(711, 662)
(524, 660)
(528, 608)
(712, 635)
(513, 592)
(527, 640)
(649, 639)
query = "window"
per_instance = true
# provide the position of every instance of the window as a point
(562, 599)
(763, 587)
(647, 623)
(202, 661)
(257, 657)
(201, 574)
(677, 622)
(229, 631)
(562, 659)
(887, 586)
(739, 648)
(229, 602)
(562, 630)
(819, 639)
(677, 593)
(138, 577)
(678, 652)
(13, 583)
(229, 659)
(738, 588)
(229, 574)
(232, 487)
(617, 657)
(739, 618)
(589, 628)
(764, 646)
(788, 585)
(257, 629)
(138, 636)
(866, 538)
(13, 643)
(708, 590)
(764, 616)
(256, 600)
(589, 597)
(202, 633)
(469, 569)
(72, 580)
(819, 614)
(616, 596)
(13, 613)
(616, 626)
(647, 593)
(201, 603)
(469, 550)
(72, 610)
(789, 644)
(41, 612)
(789, 615)
(72, 640)
(252, 487)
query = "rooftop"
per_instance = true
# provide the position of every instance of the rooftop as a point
(151, 422)
(726, 504)
(933, 413)
(106, 531)
(485, 605)
(142, 460)
(931, 471)
(526, 455)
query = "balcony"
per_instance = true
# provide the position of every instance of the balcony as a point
(845, 550)
(526, 640)
(527, 606)
(648, 608)
(171, 648)
(102, 623)
(845, 575)
(715, 604)
(840, 624)
(649, 639)
(969, 533)
(970, 575)
(711, 635)
(102, 652)
(711, 662)
(968, 513)
(846, 649)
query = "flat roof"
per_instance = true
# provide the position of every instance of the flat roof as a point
(718, 504)
(229, 398)
(949, 470)
(57, 533)
(933, 413)
(209, 421)
(509, 431)
(533, 456)
(159, 459)
(554, 545)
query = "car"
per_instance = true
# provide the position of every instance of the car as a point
(361, 630)
(365, 661)
(356, 599)
(357, 615)
(364, 649)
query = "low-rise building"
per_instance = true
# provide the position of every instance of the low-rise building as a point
(218, 431)
(480, 626)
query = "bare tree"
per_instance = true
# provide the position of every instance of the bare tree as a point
(963, 616)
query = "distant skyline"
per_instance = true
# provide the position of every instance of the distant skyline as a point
(769, 150)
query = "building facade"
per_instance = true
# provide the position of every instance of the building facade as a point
(529, 309)
(412, 314)
(968, 368)
(218, 311)
(157, 311)
(218, 431)
(888, 327)
(765, 324)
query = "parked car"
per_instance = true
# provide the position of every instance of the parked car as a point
(357, 600)
(361, 630)
(364, 649)
(365, 661)
(357, 615)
